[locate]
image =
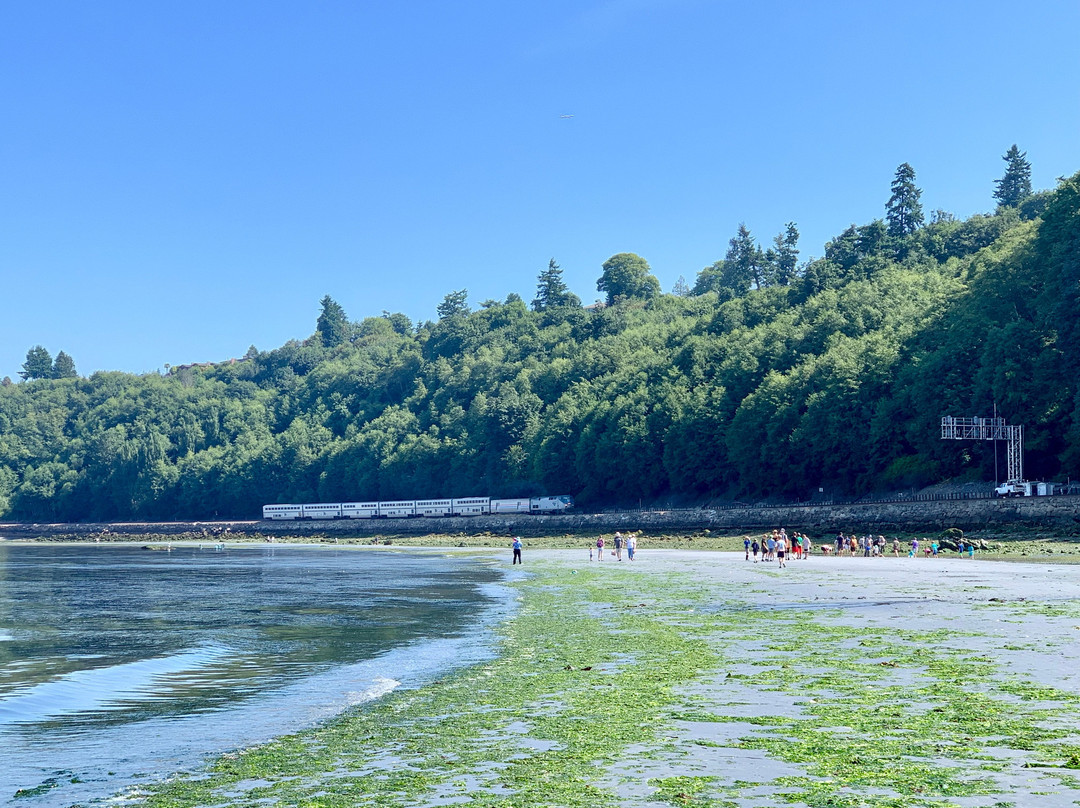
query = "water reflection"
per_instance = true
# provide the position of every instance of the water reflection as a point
(107, 650)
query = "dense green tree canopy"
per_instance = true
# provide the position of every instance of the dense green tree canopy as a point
(833, 378)
(627, 275)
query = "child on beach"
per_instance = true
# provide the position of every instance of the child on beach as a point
(600, 549)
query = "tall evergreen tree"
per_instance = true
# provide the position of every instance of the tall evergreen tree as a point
(454, 304)
(786, 254)
(38, 364)
(551, 292)
(903, 210)
(332, 325)
(64, 367)
(743, 264)
(1015, 186)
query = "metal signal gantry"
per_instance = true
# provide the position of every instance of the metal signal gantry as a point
(989, 429)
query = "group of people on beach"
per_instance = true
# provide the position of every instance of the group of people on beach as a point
(619, 542)
(779, 547)
(776, 546)
(876, 547)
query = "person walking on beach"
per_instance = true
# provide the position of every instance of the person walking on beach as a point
(517, 550)
(618, 546)
(631, 545)
(746, 544)
(781, 549)
(600, 549)
(755, 547)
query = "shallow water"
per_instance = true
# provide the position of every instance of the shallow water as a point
(120, 665)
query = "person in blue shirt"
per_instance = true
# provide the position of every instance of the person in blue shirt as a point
(517, 550)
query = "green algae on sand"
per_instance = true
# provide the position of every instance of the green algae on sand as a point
(613, 685)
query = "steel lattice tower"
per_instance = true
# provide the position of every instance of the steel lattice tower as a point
(989, 429)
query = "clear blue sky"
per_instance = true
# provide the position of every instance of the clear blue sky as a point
(182, 180)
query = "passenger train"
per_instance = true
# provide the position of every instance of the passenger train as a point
(469, 506)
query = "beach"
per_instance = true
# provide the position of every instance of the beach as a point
(701, 679)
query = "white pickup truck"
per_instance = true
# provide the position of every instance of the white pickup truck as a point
(1024, 488)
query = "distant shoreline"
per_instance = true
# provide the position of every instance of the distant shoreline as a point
(1056, 517)
(1029, 543)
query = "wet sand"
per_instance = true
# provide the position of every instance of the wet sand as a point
(833, 682)
(1018, 623)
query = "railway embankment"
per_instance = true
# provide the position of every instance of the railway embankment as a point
(1058, 513)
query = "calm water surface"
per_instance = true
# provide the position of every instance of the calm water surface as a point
(119, 665)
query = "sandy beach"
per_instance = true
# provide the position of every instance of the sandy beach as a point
(701, 679)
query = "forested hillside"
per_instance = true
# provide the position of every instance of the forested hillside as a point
(767, 378)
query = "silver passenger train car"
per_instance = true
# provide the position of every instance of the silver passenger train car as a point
(404, 509)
